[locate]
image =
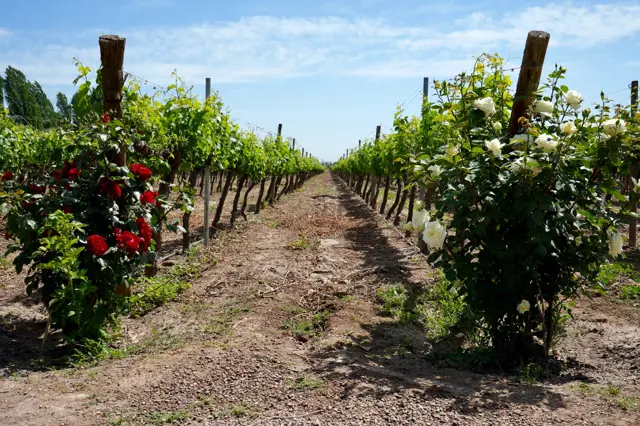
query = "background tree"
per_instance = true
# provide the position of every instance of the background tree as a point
(65, 110)
(1, 94)
(26, 101)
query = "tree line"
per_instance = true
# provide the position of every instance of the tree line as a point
(27, 103)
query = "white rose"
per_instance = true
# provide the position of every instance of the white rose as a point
(568, 128)
(573, 99)
(485, 105)
(435, 171)
(452, 151)
(614, 127)
(615, 244)
(494, 146)
(497, 126)
(546, 142)
(532, 165)
(420, 217)
(408, 226)
(544, 108)
(524, 306)
(434, 235)
(636, 185)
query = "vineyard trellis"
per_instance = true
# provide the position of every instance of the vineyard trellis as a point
(85, 204)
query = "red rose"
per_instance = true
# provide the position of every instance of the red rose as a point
(117, 231)
(57, 175)
(146, 234)
(128, 241)
(37, 189)
(26, 204)
(74, 173)
(109, 188)
(96, 245)
(49, 233)
(7, 235)
(7, 175)
(148, 197)
(66, 209)
(105, 118)
(140, 171)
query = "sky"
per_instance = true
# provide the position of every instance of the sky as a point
(328, 70)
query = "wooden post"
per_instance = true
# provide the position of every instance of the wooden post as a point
(112, 59)
(207, 180)
(271, 195)
(359, 144)
(535, 50)
(633, 222)
(373, 199)
(422, 190)
(294, 144)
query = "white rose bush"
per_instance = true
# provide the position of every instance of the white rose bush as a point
(513, 219)
(526, 212)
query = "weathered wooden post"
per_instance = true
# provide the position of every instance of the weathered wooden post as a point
(207, 179)
(633, 222)
(535, 51)
(112, 59)
(422, 195)
(375, 187)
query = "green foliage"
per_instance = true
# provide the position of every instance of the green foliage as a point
(439, 308)
(305, 325)
(154, 292)
(612, 272)
(305, 383)
(630, 291)
(303, 243)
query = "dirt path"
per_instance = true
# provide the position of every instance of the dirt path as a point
(284, 329)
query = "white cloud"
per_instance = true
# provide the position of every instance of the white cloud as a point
(4, 32)
(265, 47)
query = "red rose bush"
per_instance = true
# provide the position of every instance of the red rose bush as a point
(85, 230)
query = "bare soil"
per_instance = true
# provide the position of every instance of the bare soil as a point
(236, 350)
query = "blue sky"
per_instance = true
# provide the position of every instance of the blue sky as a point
(330, 71)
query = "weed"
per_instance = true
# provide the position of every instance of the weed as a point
(347, 298)
(612, 394)
(5, 263)
(303, 243)
(530, 373)
(305, 325)
(613, 272)
(155, 291)
(630, 291)
(294, 310)
(220, 324)
(273, 224)
(305, 382)
(393, 299)
(439, 308)
(91, 352)
(238, 410)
